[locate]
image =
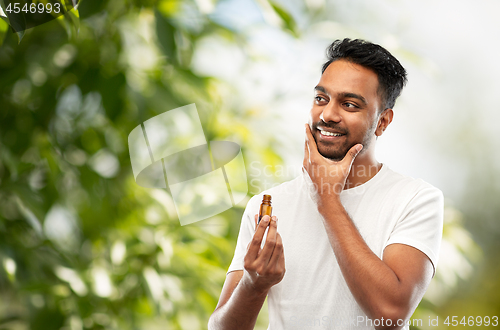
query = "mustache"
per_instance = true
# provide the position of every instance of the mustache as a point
(332, 126)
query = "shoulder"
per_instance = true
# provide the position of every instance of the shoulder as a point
(407, 185)
(408, 195)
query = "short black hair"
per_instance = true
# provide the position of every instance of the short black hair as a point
(391, 74)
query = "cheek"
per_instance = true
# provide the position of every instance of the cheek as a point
(355, 121)
(359, 126)
(314, 114)
(369, 121)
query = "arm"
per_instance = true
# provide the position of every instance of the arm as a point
(387, 289)
(390, 288)
(238, 305)
(244, 291)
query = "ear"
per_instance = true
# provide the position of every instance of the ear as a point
(384, 120)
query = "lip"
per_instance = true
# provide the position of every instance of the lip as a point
(329, 130)
(328, 137)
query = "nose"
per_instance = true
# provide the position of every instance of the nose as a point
(331, 113)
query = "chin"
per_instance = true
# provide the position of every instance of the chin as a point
(335, 158)
(332, 155)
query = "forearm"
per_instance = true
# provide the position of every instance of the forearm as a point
(373, 283)
(240, 311)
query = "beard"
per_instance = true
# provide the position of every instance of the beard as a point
(336, 151)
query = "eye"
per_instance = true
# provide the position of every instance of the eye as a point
(350, 105)
(318, 99)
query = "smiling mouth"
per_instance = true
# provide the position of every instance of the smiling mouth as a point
(329, 134)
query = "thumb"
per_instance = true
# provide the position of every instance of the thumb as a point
(353, 152)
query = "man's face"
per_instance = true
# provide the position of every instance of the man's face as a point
(345, 109)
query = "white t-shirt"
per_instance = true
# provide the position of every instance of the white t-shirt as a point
(389, 208)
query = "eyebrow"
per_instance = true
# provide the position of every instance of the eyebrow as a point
(343, 94)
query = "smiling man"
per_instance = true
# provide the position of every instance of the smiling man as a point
(357, 243)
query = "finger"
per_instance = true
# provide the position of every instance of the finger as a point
(352, 153)
(281, 261)
(253, 249)
(267, 251)
(305, 163)
(277, 252)
(311, 143)
(255, 220)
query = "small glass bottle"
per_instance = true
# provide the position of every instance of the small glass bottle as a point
(265, 207)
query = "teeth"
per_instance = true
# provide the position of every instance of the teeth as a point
(329, 134)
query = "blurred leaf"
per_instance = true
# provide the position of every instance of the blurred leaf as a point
(70, 20)
(288, 20)
(20, 35)
(2, 8)
(87, 8)
(4, 28)
(74, 17)
(168, 7)
(165, 32)
(16, 21)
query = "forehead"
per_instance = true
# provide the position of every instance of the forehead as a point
(342, 76)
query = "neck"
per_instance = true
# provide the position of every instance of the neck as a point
(364, 167)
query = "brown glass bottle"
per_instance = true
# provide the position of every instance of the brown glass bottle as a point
(265, 207)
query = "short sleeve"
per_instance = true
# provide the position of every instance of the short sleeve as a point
(421, 223)
(247, 229)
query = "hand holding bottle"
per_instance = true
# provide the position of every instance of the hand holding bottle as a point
(264, 267)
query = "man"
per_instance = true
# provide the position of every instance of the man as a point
(359, 241)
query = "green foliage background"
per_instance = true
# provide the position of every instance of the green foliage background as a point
(66, 96)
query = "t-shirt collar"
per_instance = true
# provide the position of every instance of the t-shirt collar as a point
(354, 190)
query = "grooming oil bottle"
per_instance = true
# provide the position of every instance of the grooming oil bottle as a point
(265, 207)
